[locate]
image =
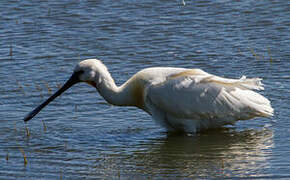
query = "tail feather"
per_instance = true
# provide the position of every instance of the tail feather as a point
(239, 94)
(254, 103)
(242, 83)
(251, 83)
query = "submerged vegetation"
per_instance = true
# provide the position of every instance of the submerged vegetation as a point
(7, 156)
(27, 131)
(268, 57)
(10, 51)
(44, 126)
(23, 154)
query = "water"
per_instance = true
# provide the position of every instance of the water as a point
(86, 138)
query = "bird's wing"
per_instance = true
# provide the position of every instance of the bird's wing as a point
(197, 95)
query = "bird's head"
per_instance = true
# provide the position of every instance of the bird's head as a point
(89, 71)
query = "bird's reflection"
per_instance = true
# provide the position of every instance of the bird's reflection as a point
(218, 153)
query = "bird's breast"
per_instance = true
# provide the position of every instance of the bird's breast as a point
(138, 95)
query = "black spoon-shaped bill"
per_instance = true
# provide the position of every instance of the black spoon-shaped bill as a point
(69, 83)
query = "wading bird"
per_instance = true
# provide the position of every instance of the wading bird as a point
(179, 99)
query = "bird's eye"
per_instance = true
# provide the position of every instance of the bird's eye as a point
(80, 72)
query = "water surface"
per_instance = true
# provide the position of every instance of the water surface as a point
(86, 138)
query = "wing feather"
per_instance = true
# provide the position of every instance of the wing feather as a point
(200, 96)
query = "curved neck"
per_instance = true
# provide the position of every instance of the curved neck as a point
(113, 94)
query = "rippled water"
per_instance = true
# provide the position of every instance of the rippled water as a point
(81, 136)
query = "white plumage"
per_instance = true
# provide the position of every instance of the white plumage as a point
(179, 99)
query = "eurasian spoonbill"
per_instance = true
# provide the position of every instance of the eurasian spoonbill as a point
(179, 99)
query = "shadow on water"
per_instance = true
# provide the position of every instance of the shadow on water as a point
(217, 153)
